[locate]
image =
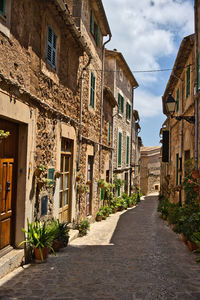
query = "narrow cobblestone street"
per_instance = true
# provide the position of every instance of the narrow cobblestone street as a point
(143, 260)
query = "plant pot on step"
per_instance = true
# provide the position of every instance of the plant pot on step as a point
(192, 246)
(56, 246)
(38, 258)
(98, 218)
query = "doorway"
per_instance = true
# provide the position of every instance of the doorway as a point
(8, 183)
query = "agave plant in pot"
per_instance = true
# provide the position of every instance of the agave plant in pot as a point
(39, 237)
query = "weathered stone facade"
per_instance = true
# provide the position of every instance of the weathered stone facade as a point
(47, 105)
(121, 82)
(181, 133)
(150, 170)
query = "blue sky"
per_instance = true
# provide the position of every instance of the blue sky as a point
(148, 33)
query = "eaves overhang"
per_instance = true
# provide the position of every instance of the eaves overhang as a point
(109, 96)
(123, 64)
(179, 65)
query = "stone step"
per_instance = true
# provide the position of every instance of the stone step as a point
(10, 261)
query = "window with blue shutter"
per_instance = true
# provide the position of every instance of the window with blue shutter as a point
(92, 90)
(51, 47)
(127, 150)
(2, 7)
(119, 149)
(177, 100)
(188, 82)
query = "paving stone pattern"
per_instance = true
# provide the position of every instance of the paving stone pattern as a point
(143, 260)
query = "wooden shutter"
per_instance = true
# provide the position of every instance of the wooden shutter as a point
(127, 150)
(122, 105)
(109, 132)
(98, 36)
(199, 71)
(92, 90)
(165, 146)
(2, 7)
(102, 193)
(51, 47)
(118, 191)
(119, 103)
(119, 149)
(92, 22)
(177, 100)
(188, 82)
(177, 167)
(127, 110)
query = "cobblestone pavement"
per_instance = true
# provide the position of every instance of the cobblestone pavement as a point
(142, 259)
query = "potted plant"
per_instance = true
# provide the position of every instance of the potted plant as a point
(99, 216)
(39, 170)
(39, 237)
(61, 234)
(101, 183)
(83, 227)
(195, 174)
(82, 188)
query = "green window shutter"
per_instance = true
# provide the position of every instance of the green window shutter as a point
(2, 7)
(177, 100)
(119, 103)
(188, 82)
(51, 47)
(127, 150)
(127, 110)
(199, 71)
(119, 149)
(130, 112)
(109, 132)
(122, 105)
(177, 168)
(98, 36)
(92, 22)
(92, 90)
(118, 191)
(102, 194)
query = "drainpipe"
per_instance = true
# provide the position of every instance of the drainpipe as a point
(131, 152)
(81, 112)
(102, 88)
(197, 79)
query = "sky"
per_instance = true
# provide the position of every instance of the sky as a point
(148, 33)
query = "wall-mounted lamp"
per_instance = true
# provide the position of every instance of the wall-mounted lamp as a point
(171, 105)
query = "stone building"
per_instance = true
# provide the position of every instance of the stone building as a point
(120, 80)
(150, 170)
(179, 134)
(135, 157)
(51, 100)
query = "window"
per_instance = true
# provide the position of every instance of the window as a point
(2, 7)
(127, 149)
(128, 111)
(120, 104)
(92, 90)
(109, 132)
(177, 100)
(119, 149)
(94, 29)
(51, 47)
(177, 167)
(188, 82)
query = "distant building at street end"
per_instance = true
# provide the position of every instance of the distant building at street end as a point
(150, 170)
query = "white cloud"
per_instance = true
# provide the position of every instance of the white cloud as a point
(146, 32)
(147, 104)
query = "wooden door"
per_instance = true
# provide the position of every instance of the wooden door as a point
(6, 177)
(65, 180)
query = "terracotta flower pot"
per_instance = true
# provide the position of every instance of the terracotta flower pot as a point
(183, 238)
(38, 258)
(98, 218)
(56, 246)
(195, 174)
(192, 246)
